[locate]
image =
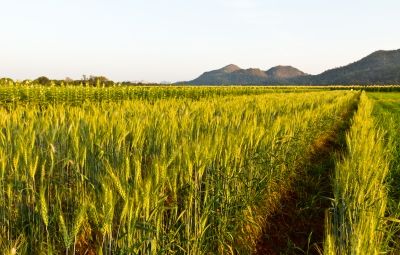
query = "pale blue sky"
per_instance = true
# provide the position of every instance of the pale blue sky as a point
(173, 40)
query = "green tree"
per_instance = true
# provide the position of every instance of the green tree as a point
(43, 80)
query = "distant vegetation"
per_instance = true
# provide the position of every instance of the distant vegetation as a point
(91, 81)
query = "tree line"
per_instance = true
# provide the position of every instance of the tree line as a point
(90, 81)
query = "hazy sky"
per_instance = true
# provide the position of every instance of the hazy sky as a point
(173, 40)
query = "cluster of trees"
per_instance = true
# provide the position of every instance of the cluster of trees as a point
(43, 80)
(92, 81)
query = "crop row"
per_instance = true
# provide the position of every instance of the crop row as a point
(364, 218)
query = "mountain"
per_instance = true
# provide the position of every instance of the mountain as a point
(232, 74)
(283, 74)
(380, 67)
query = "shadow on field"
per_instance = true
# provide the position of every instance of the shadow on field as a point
(297, 226)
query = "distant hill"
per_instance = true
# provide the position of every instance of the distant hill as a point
(232, 74)
(283, 74)
(380, 67)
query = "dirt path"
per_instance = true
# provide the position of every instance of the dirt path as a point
(297, 227)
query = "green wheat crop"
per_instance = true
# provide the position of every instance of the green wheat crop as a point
(355, 225)
(147, 170)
